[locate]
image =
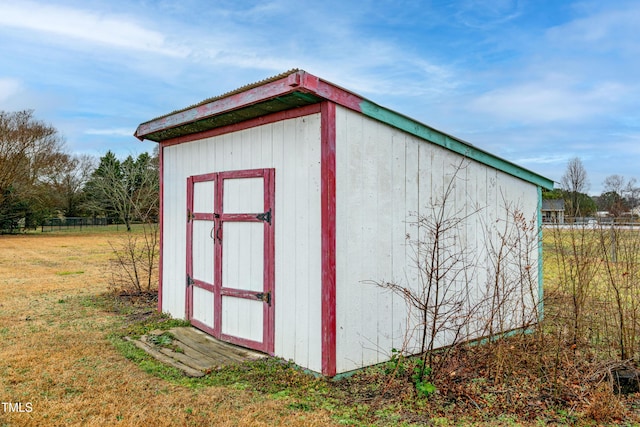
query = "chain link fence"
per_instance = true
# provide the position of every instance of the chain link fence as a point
(57, 224)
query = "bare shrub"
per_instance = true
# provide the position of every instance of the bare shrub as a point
(438, 303)
(445, 310)
(620, 254)
(511, 300)
(597, 277)
(577, 256)
(605, 407)
(134, 268)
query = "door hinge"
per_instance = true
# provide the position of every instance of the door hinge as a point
(265, 216)
(264, 296)
(190, 281)
(189, 215)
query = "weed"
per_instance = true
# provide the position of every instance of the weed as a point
(163, 340)
(152, 322)
(300, 406)
(566, 417)
(395, 364)
(425, 388)
(605, 407)
(400, 366)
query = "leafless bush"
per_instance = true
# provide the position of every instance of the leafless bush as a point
(134, 268)
(511, 300)
(620, 254)
(438, 303)
(448, 311)
(577, 256)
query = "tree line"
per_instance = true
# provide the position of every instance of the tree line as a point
(619, 196)
(40, 179)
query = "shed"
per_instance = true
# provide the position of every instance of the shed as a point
(282, 201)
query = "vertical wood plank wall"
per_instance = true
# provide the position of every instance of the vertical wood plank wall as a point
(383, 177)
(292, 147)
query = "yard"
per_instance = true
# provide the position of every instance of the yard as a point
(59, 363)
(63, 362)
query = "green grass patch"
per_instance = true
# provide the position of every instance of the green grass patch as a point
(145, 361)
(113, 229)
(69, 273)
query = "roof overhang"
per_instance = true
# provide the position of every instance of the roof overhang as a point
(297, 88)
(283, 92)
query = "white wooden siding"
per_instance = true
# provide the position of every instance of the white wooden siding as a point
(292, 147)
(243, 259)
(242, 318)
(384, 178)
(202, 303)
(203, 266)
(243, 195)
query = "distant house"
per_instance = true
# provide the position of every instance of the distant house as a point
(553, 211)
(280, 199)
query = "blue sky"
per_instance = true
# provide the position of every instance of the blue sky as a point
(536, 82)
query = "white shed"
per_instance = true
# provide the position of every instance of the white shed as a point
(282, 200)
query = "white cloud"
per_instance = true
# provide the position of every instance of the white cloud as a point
(111, 132)
(87, 26)
(8, 89)
(550, 100)
(483, 14)
(602, 30)
(545, 159)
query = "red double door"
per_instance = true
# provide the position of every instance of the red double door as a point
(230, 256)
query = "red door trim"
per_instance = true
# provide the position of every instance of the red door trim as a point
(207, 216)
(161, 225)
(189, 252)
(268, 332)
(328, 201)
(270, 257)
(204, 177)
(218, 215)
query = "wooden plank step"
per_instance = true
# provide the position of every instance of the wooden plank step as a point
(212, 347)
(190, 357)
(187, 360)
(226, 347)
(206, 359)
(206, 349)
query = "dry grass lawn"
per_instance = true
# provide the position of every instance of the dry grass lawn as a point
(57, 362)
(62, 362)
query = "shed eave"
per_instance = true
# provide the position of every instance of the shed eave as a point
(203, 122)
(265, 93)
